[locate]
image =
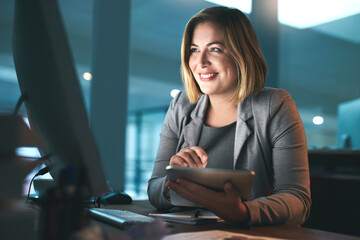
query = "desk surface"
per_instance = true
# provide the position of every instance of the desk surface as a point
(285, 231)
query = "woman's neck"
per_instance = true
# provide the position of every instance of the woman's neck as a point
(220, 113)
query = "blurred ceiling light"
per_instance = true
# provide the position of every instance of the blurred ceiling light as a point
(309, 13)
(243, 5)
(174, 92)
(87, 76)
(317, 120)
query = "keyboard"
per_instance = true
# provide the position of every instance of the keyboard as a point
(119, 218)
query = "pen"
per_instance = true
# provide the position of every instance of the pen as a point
(195, 214)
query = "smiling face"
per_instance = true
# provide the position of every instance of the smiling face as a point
(210, 62)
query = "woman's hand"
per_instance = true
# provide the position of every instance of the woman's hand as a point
(190, 157)
(227, 205)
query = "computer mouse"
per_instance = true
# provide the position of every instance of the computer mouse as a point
(116, 198)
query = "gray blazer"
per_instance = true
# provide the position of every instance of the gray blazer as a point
(269, 140)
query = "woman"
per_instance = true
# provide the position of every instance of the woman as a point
(227, 119)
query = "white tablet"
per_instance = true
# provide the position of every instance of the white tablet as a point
(211, 178)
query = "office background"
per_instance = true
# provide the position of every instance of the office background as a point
(317, 64)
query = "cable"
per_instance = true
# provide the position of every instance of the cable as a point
(22, 98)
(43, 171)
(28, 195)
(40, 172)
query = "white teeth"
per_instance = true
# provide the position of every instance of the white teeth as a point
(207, 75)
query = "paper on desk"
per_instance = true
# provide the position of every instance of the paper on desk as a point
(215, 235)
(187, 217)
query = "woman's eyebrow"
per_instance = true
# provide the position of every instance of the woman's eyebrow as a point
(210, 43)
(215, 42)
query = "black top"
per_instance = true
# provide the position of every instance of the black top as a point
(218, 143)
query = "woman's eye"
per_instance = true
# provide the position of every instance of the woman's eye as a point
(215, 49)
(193, 50)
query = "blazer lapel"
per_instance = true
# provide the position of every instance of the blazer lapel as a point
(192, 130)
(242, 131)
(192, 133)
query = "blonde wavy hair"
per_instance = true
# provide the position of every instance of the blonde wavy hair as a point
(243, 46)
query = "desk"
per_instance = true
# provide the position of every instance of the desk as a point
(285, 231)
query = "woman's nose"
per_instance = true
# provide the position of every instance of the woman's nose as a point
(204, 60)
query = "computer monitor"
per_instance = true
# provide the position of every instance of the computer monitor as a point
(54, 101)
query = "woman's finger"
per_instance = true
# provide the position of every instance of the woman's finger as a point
(178, 161)
(201, 153)
(231, 191)
(191, 157)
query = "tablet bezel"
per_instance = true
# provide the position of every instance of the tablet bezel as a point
(213, 178)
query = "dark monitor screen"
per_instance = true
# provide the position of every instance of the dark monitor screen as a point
(54, 100)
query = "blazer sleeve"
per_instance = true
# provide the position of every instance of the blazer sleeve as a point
(285, 133)
(158, 193)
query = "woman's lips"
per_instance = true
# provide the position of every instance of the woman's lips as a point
(207, 76)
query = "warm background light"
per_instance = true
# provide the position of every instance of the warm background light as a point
(87, 76)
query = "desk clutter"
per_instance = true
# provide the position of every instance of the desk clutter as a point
(16, 219)
(195, 216)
